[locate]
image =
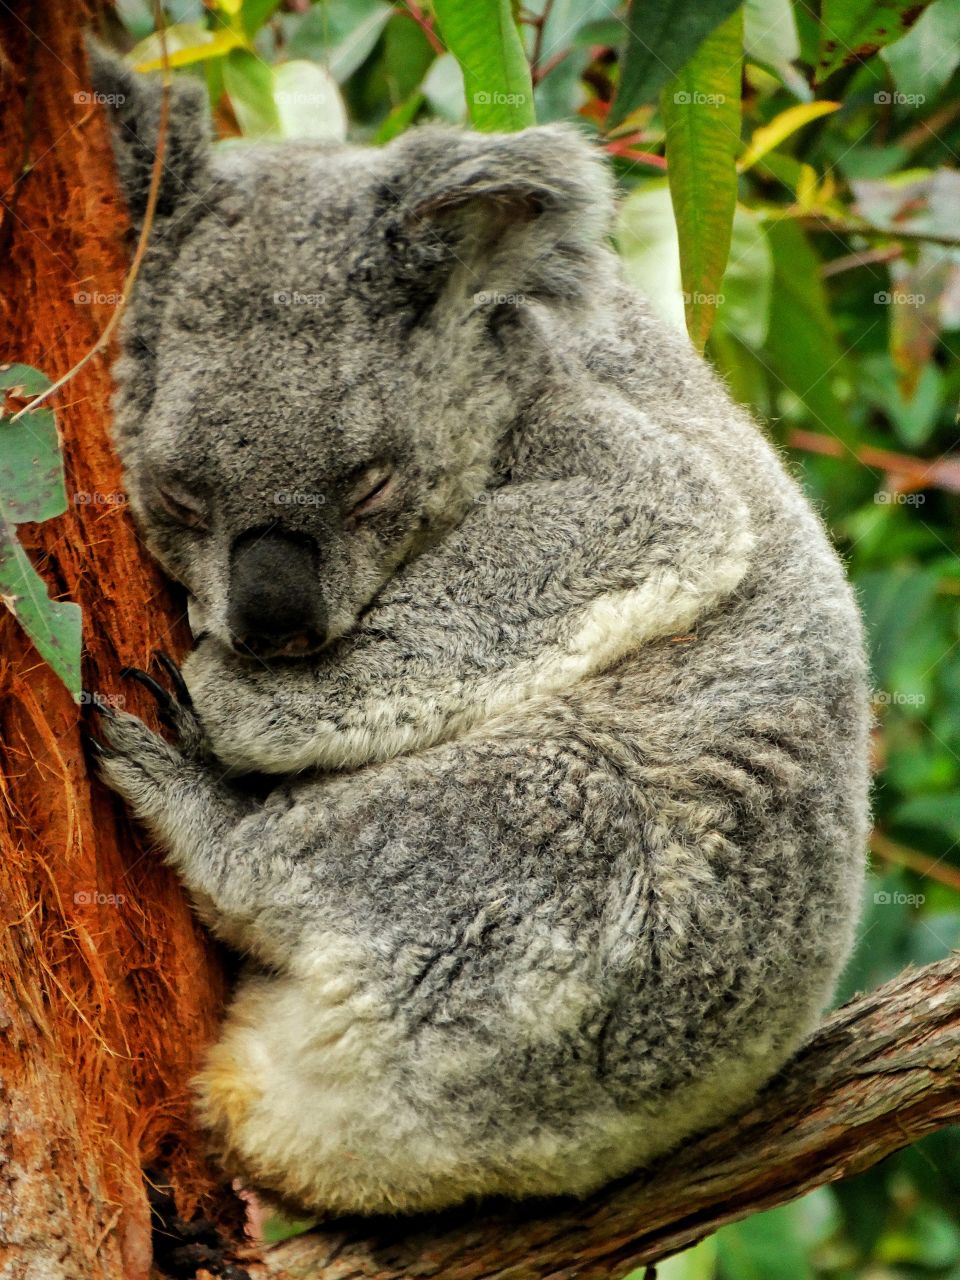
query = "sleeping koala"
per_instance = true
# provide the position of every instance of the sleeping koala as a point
(523, 746)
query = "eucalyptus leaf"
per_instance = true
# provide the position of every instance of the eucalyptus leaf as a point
(249, 85)
(308, 102)
(661, 41)
(484, 39)
(701, 110)
(855, 29)
(31, 489)
(339, 34)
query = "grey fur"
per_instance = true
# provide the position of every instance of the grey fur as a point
(565, 851)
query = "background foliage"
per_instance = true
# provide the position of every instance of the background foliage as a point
(790, 194)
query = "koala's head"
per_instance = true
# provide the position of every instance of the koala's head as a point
(328, 345)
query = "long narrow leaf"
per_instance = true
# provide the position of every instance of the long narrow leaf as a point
(483, 37)
(701, 109)
(662, 39)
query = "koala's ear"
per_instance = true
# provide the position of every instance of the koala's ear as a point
(522, 213)
(133, 102)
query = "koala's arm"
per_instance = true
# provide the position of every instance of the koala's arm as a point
(546, 581)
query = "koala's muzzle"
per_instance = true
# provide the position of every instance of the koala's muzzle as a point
(275, 608)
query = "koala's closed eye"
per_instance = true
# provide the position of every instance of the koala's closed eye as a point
(178, 506)
(375, 490)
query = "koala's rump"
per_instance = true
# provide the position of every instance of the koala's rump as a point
(546, 952)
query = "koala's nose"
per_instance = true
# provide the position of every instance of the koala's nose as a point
(275, 607)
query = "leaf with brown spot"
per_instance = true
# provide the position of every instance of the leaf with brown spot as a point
(853, 30)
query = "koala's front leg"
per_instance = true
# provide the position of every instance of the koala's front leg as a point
(180, 792)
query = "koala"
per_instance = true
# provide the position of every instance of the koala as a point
(522, 751)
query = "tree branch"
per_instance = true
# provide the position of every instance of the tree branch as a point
(881, 1073)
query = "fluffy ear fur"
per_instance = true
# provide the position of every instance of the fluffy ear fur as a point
(133, 102)
(498, 215)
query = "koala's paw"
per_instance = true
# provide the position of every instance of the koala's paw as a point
(137, 763)
(175, 710)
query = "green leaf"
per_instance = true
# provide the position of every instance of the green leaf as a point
(802, 347)
(745, 292)
(308, 102)
(254, 13)
(400, 118)
(924, 60)
(770, 32)
(701, 110)
(899, 607)
(339, 34)
(249, 85)
(939, 812)
(855, 29)
(31, 468)
(407, 55)
(662, 39)
(32, 488)
(443, 89)
(278, 1227)
(53, 626)
(484, 39)
(646, 236)
(560, 92)
(914, 420)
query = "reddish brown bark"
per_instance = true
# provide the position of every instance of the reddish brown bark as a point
(105, 1003)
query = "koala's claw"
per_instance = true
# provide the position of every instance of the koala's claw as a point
(176, 679)
(94, 745)
(174, 710)
(164, 699)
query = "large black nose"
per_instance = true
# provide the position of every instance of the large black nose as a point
(275, 607)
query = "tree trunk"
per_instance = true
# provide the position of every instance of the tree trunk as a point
(108, 989)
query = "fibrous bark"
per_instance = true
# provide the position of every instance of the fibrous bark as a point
(108, 989)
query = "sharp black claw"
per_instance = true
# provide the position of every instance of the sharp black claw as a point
(90, 701)
(176, 679)
(163, 697)
(95, 746)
